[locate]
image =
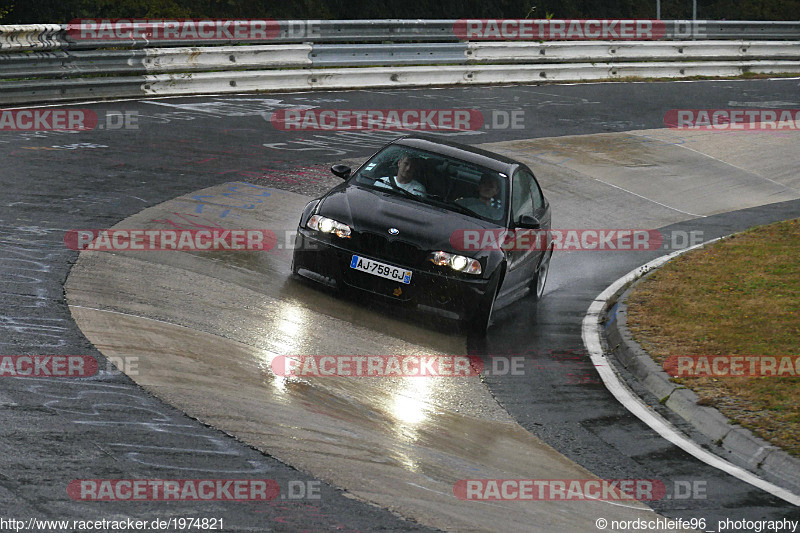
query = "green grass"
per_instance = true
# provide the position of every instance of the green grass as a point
(740, 296)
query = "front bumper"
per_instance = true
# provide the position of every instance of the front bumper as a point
(327, 259)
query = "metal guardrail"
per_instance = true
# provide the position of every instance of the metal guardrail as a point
(55, 90)
(57, 37)
(31, 37)
(39, 63)
(751, 30)
(620, 52)
(26, 92)
(340, 55)
(152, 60)
(81, 63)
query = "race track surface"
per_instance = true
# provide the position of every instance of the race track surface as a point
(204, 327)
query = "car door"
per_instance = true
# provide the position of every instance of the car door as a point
(523, 258)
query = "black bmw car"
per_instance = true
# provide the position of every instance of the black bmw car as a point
(433, 224)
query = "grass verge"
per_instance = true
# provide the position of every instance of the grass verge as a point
(739, 296)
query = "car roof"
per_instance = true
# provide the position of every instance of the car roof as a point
(471, 154)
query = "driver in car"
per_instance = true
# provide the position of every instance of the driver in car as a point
(485, 205)
(406, 170)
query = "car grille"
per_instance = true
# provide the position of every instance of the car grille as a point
(380, 247)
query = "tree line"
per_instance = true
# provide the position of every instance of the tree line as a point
(62, 11)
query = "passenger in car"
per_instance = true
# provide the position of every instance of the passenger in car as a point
(407, 168)
(485, 205)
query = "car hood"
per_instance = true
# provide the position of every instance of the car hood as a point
(427, 226)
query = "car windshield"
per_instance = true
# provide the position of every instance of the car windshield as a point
(436, 179)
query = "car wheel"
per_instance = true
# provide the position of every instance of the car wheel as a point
(539, 280)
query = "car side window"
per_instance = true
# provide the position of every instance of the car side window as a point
(536, 193)
(521, 195)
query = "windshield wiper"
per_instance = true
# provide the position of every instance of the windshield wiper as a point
(396, 187)
(390, 185)
(464, 210)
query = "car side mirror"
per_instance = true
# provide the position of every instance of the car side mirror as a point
(343, 171)
(529, 222)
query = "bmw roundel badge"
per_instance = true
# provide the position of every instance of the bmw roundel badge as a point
(394, 231)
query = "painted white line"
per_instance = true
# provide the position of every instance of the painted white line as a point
(750, 172)
(648, 199)
(518, 153)
(123, 313)
(591, 339)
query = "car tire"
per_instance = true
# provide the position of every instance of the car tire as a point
(540, 279)
(479, 323)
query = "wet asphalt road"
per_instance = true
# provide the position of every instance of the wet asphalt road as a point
(55, 432)
(560, 398)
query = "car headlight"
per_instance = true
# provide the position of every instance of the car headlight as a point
(328, 225)
(458, 263)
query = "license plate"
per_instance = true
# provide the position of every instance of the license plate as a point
(382, 270)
